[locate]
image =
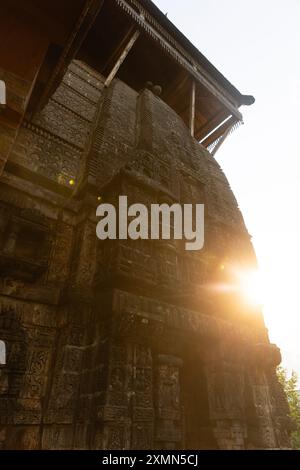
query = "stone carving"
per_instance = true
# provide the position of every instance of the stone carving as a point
(122, 344)
(75, 102)
(61, 122)
(47, 156)
(168, 405)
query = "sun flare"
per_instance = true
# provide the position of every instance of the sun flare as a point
(251, 286)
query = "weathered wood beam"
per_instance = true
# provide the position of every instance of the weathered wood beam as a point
(2, 353)
(218, 132)
(2, 94)
(193, 108)
(211, 124)
(121, 59)
(175, 87)
(222, 140)
(197, 73)
(84, 23)
(117, 51)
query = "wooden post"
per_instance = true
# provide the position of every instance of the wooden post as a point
(121, 59)
(2, 353)
(222, 140)
(192, 108)
(2, 94)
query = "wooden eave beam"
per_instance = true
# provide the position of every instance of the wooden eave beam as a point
(117, 51)
(193, 69)
(2, 94)
(222, 140)
(211, 124)
(177, 85)
(76, 38)
(192, 108)
(122, 57)
(219, 132)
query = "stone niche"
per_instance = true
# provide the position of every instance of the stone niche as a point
(25, 245)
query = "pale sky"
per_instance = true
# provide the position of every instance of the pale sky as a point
(256, 45)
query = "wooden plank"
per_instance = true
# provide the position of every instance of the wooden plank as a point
(192, 108)
(84, 23)
(117, 51)
(219, 132)
(211, 124)
(210, 84)
(222, 140)
(2, 93)
(175, 87)
(121, 59)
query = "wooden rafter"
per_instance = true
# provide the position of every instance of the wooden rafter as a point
(117, 51)
(219, 132)
(85, 21)
(195, 71)
(192, 108)
(176, 86)
(222, 140)
(211, 124)
(122, 57)
(2, 94)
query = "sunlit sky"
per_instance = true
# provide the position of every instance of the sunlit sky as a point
(256, 45)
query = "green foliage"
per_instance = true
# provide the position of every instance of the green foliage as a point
(293, 397)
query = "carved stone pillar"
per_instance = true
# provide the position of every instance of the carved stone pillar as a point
(283, 423)
(266, 422)
(260, 425)
(226, 393)
(125, 421)
(168, 429)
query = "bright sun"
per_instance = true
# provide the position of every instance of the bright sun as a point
(251, 285)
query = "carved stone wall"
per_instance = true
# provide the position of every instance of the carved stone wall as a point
(124, 344)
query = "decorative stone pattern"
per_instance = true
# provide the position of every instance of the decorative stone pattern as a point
(124, 344)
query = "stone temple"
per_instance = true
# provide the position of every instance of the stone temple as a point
(122, 344)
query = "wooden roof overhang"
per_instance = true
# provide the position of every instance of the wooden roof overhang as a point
(163, 56)
(98, 32)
